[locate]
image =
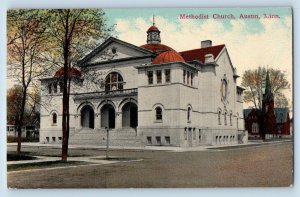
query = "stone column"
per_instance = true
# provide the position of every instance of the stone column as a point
(77, 120)
(118, 120)
(97, 121)
(154, 77)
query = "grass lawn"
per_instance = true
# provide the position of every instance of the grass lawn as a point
(15, 157)
(45, 164)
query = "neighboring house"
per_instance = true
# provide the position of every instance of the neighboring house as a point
(292, 126)
(282, 126)
(149, 95)
(11, 129)
(29, 131)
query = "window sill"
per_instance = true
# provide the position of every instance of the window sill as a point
(158, 121)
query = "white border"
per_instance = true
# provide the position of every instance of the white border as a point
(274, 192)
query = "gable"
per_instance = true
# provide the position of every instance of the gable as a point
(281, 114)
(224, 59)
(113, 50)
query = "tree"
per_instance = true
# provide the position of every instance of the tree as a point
(14, 100)
(281, 101)
(26, 37)
(14, 104)
(73, 33)
(253, 81)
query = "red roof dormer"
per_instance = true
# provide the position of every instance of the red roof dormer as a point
(73, 72)
(168, 56)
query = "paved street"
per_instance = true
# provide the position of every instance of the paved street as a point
(253, 166)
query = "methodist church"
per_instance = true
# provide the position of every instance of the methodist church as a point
(149, 95)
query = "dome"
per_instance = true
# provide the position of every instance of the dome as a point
(73, 72)
(168, 56)
(152, 28)
(156, 48)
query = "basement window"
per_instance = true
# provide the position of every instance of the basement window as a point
(168, 140)
(149, 140)
(158, 140)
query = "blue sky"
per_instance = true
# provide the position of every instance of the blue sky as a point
(250, 42)
(173, 14)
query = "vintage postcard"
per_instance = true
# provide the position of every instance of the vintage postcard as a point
(150, 98)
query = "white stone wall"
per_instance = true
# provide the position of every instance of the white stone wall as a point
(204, 97)
(121, 52)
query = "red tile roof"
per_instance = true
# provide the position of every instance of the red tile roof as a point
(168, 56)
(157, 48)
(72, 72)
(199, 54)
(152, 28)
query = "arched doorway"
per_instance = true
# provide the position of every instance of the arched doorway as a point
(129, 115)
(87, 117)
(108, 116)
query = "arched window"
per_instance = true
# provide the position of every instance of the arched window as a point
(54, 118)
(113, 81)
(189, 114)
(219, 117)
(158, 113)
(230, 118)
(225, 118)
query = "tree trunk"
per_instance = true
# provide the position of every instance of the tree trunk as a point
(20, 120)
(65, 115)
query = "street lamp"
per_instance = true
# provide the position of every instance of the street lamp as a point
(107, 141)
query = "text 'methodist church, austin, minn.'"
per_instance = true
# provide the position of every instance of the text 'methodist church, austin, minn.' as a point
(150, 95)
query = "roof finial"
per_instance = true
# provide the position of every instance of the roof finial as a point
(153, 20)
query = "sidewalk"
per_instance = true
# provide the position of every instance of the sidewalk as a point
(100, 160)
(88, 159)
(156, 148)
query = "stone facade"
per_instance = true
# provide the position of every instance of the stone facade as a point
(148, 95)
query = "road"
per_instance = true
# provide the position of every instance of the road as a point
(254, 166)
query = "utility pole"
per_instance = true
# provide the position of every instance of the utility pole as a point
(107, 141)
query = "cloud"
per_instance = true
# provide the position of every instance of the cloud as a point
(271, 46)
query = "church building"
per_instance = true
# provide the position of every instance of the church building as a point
(275, 121)
(147, 95)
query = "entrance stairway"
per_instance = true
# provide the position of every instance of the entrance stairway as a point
(117, 137)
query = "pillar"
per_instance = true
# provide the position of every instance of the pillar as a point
(97, 121)
(118, 120)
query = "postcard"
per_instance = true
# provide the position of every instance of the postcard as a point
(150, 98)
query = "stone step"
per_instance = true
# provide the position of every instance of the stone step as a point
(111, 143)
(118, 137)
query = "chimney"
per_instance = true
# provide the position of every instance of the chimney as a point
(206, 43)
